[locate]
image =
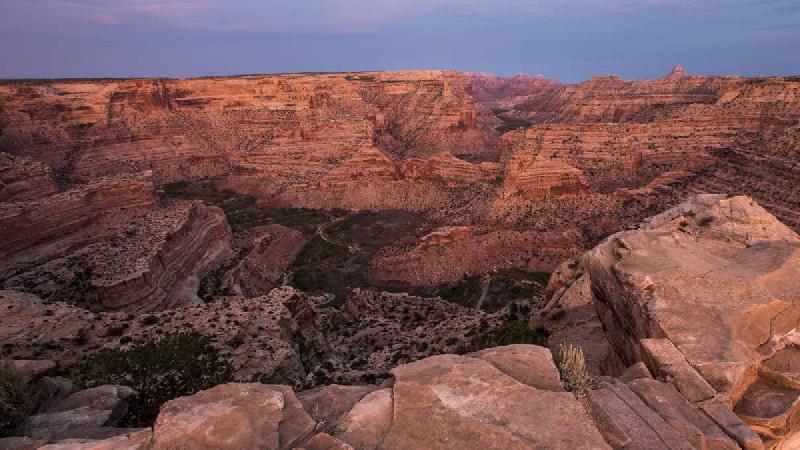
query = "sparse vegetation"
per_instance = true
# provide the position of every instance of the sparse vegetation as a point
(243, 213)
(177, 365)
(572, 365)
(464, 292)
(505, 286)
(508, 334)
(149, 320)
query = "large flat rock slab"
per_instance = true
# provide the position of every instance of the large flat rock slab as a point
(451, 401)
(233, 416)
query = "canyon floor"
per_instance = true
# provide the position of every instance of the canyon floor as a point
(422, 259)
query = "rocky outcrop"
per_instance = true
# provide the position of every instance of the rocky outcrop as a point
(486, 87)
(705, 295)
(28, 370)
(428, 141)
(40, 229)
(284, 127)
(612, 99)
(445, 235)
(646, 413)
(733, 134)
(79, 413)
(155, 262)
(622, 155)
(285, 336)
(233, 416)
(23, 178)
(461, 402)
(675, 74)
(270, 250)
(446, 401)
(449, 254)
(283, 325)
(541, 178)
(369, 179)
(447, 170)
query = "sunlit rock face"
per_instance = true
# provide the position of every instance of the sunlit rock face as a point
(706, 295)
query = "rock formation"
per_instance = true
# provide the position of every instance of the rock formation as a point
(428, 141)
(23, 178)
(285, 336)
(450, 254)
(686, 322)
(486, 87)
(484, 400)
(540, 178)
(245, 329)
(270, 251)
(704, 294)
(155, 262)
(41, 228)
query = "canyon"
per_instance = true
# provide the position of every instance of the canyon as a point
(395, 246)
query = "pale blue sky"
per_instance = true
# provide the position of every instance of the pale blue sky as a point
(565, 39)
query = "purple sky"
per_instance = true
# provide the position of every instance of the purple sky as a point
(565, 39)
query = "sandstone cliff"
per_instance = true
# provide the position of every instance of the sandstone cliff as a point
(426, 141)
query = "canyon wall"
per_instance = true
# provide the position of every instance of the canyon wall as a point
(521, 154)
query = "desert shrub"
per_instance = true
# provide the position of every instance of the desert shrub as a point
(15, 400)
(705, 221)
(176, 365)
(149, 320)
(558, 314)
(117, 330)
(572, 365)
(508, 334)
(464, 292)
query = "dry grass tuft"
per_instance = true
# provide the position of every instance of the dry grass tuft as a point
(572, 365)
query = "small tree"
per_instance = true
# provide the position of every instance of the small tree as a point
(177, 365)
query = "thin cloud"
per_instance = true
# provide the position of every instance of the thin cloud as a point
(323, 16)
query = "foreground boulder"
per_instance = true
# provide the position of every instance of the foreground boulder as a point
(707, 296)
(84, 414)
(233, 416)
(451, 401)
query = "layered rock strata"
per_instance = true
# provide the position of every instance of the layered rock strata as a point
(41, 228)
(451, 253)
(155, 262)
(268, 253)
(23, 178)
(289, 126)
(541, 178)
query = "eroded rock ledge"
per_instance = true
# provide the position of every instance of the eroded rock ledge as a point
(707, 296)
(155, 262)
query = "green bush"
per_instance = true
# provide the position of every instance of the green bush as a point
(508, 334)
(177, 365)
(15, 399)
